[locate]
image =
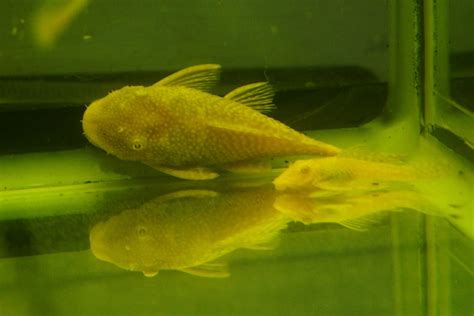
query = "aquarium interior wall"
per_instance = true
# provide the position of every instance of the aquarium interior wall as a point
(348, 72)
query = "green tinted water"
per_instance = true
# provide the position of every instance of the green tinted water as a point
(337, 65)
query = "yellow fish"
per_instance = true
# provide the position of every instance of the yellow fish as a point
(347, 173)
(178, 128)
(188, 230)
(357, 212)
(53, 18)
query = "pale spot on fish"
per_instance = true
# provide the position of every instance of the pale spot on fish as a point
(141, 92)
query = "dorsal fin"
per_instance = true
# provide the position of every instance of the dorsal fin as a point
(258, 96)
(200, 77)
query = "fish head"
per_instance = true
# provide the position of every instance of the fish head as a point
(298, 176)
(121, 123)
(153, 237)
(126, 243)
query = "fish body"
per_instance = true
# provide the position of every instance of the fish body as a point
(357, 211)
(345, 173)
(177, 127)
(188, 230)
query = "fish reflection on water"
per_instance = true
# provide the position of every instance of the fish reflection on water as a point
(191, 230)
(188, 231)
(354, 211)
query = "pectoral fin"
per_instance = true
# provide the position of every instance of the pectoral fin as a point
(209, 270)
(189, 174)
(201, 77)
(258, 96)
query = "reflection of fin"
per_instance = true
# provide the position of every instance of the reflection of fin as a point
(201, 77)
(248, 166)
(150, 273)
(209, 270)
(361, 223)
(266, 246)
(258, 96)
(185, 194)
(189, 174)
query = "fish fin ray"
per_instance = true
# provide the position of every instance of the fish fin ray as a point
(197, 173)
(209, 270)
(258, 96)
(362, 223)
(200, 77)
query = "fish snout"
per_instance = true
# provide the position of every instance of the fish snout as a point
(280, 184)
(98, 243)
(91, 122)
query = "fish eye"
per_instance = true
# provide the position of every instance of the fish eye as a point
(142, 231)
(138, 143)
(137, 146)
(304, 170)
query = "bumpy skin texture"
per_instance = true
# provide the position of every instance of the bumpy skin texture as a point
(187, 231)
(354, 211)
(183, 127)
(344, 172)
